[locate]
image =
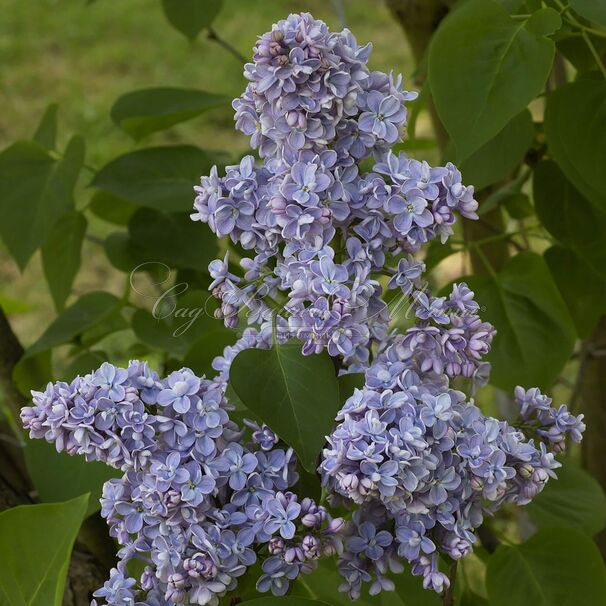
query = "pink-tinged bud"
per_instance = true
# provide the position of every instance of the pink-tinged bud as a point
(307, 505)
(350, 482)
(526, 470)
(559, 447)
(336, 526)
(294, 554)
(540, 475)
(366, 486)
(476, 483)
(311, 547)
(310, 520)
(329, 549)
(275, 545)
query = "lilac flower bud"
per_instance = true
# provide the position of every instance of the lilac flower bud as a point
(294, 554)
(311, 547)
(310, 520)
(276, 545)
(336, 526)
(175, 591)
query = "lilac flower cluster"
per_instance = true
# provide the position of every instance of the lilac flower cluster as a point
(203, 499)
(322, 230)
(197, 502)
(424, 465)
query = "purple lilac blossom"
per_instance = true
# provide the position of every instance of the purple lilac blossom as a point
(314, 111)
(199, 496)
(203, 499)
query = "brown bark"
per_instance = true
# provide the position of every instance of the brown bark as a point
(592, 387)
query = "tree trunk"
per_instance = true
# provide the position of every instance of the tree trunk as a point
(592, 393)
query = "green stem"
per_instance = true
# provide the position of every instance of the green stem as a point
(482, 256)
(448, 598)
(594, 52)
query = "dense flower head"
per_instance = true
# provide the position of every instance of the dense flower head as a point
(319, 229)
(202, 499)
(423, 465)
(199, 496)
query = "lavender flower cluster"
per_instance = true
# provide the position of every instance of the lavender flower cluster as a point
(322, 230)
(197, 502)
(424, 465)
(203, 499)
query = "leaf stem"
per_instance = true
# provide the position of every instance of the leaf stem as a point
(484, 259)
(594, 52)
(448, 597)
(212, 35)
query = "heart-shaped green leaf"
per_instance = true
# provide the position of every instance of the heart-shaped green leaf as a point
(35, 546)
(152, 109)
(485, 67)
(296, 395)
(535, 334)
(574, 123)
(556, 566)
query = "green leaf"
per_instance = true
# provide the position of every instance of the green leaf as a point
(499, 157)
(296, 395)
(152, 109)
(556, 566)
(35, 546)
(592, 10)
(111, 323)
(158, 177)
(180, 317)
(347, 384)
(323, 582)
(111, 208)
(33, 371)
(485, 67)
(518, 206)
(90, 309)
(61, 255)
(36, 191)
(574, 499)
(190, 17)
(173, 239)
(580, 286)
(569, 217)
(535, 335)
(157, 333)
(210, 345)
(46, 133)
(124, 254)
(469, 598)
(83, 364)
(436, 252)
(58, 476)
(574, 116)
(12, 307)
(575, 49)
